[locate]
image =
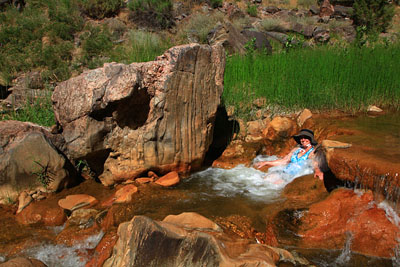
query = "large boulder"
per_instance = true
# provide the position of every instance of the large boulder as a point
(364, 165)
(127, 119)
(144, 242)
(29, 161)
(26, 88)
(261, 42)
(345, 216)
(229, 37)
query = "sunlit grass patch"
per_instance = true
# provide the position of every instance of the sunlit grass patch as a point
(349, 78)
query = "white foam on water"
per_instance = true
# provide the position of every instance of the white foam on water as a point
(396, 257)
(57, 229)
(391, 214)
(248, 181)
(345, 256)
(61, 255)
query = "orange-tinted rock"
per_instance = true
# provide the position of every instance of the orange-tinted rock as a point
(152, 174)
(255, 127)
(192, 220)
(125, 194)
(237, 152)
(280, 128)
(170, 179)
(103, 250)
(42, 212)
(74, 234)
(23, 262)
(73, 202)
(144, 180)
(327, 223)
(305, 190)
(372, 168)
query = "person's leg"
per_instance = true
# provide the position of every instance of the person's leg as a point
(274, 178)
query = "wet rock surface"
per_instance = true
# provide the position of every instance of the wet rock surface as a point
(307, 219)
(346, 215)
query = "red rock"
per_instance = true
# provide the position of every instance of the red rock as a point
(280, 128)
(42, 212)
(152, 175)
(237, 152)
(327, 223)
(144, 180)
(170, 179)
(125, 194)
(103, 250)
(192, 220)
(74, 234)
(73, 202)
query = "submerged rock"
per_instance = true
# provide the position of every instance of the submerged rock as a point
(43, 212)
(127, 119)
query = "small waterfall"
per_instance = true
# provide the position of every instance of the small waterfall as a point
(396, 257)
(345, 256)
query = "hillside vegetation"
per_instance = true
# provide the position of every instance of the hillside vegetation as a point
(60, 39)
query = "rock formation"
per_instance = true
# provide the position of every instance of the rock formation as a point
(29, 160)
(144, 116)
(194, 242)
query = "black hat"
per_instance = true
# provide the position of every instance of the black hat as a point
(307, 134)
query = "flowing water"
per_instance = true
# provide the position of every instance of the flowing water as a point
(216, 192)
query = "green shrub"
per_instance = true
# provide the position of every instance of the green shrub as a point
(96, 42)
(40, 36)
(272, 24)
(307, 3)
(99, 9)
(200, 25)
(141, 46)
(154, 13)
(65, 19)
(374, 15)
(252, 10)
(216, 3)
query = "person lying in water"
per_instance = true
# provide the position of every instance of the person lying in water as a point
(295, 160)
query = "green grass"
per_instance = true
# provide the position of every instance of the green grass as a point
(142, 46)
(39, 112)
(325, 78)
(23, 34)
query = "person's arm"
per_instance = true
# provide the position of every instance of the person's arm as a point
(282, 161)
(317, 171)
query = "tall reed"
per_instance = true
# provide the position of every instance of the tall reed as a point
(348, 79)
